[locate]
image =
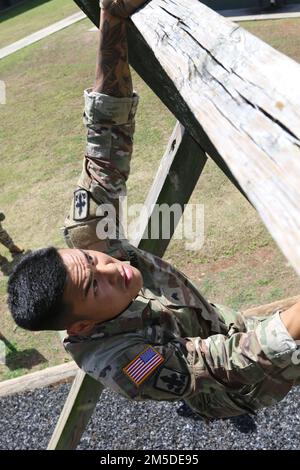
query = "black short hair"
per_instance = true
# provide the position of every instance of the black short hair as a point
(35, 291)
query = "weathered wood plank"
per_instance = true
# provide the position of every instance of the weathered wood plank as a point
(42, 378)
(246, 97)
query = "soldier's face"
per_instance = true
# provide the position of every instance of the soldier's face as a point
(98, 287)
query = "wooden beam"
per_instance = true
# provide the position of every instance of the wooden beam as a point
(245, 97)
(42, 378)
(268, 309)
(177, 175)
(76, 413)
(236, 96)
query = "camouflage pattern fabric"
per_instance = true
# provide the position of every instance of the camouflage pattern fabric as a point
(106, 166)
(170, 343)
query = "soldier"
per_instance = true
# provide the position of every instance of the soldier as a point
(6, 240)
(134, 322)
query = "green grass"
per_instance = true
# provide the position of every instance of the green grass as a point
(281, 34)
(30, 16)
(43, 143)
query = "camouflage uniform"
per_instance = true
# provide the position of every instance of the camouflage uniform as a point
(170, 343)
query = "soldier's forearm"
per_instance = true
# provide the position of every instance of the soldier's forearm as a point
(112, 70)
(291, 320)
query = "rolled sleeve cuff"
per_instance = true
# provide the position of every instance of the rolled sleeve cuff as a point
(101, 108)
(275, 340)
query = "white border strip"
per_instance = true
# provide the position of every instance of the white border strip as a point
(269, 16)
(42, 33)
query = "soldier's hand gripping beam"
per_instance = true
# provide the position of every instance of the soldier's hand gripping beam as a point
(121, 8)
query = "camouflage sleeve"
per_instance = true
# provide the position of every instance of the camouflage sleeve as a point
(184, 368)
(110, 128)
(135, 368)
(241, 358)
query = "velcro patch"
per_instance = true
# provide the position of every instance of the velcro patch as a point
(81, 204)
(172, 381)
(143, 365)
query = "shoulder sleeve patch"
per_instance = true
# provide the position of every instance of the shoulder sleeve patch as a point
(143, 365)
(172, 381)
(81, 204)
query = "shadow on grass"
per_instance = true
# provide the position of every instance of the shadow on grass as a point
(16, 10)
(26, 359)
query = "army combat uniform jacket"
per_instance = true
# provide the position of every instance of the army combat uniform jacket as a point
(170, 343)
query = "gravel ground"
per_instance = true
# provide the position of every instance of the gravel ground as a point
(29, 419)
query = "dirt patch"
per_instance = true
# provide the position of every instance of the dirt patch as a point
(258, 257)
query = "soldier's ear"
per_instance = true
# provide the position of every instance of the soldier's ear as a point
(80, 328)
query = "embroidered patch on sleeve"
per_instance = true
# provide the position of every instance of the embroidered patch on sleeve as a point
(172, 381)
(143, 365)
(81, 204)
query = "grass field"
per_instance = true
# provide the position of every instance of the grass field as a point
(32, 15)
(42, 145)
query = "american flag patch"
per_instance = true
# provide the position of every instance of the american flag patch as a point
(143, 365)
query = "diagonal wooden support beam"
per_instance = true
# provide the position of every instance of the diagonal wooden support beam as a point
(178, 174)
(79, 407)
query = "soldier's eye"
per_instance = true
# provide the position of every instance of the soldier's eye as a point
(91, 259)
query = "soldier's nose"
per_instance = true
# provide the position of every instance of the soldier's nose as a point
(111, 272)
